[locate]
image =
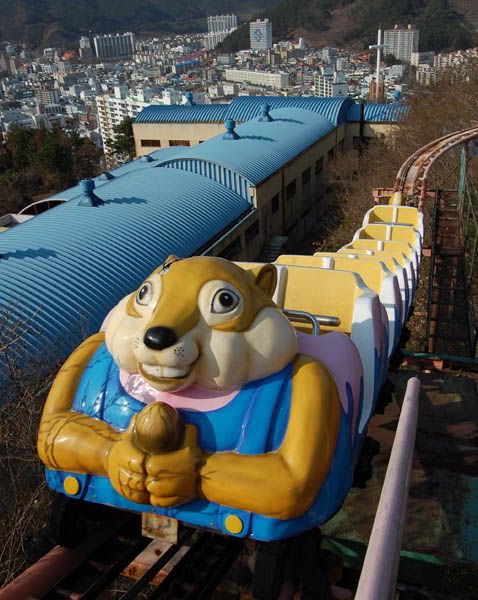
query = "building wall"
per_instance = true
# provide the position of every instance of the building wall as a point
(274, 80)
(163, 133)
(278, 211)
(114, 46)
(221, 23)
(402, 43)
(260, 33)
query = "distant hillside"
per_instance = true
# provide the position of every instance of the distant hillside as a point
(50, 22)
(443, 24)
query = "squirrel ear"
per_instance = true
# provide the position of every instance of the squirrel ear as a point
(171, 258)
(266, 279)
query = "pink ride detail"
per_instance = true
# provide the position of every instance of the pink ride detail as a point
(334, 350)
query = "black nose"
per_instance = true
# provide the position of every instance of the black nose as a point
(159, 338)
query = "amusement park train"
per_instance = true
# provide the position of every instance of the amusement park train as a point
(236, 396)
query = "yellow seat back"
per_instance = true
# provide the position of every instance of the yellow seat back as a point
(392, 233)
(324, 292)
(386, 258)
(400, 251)
(372, 272)
(399, 215)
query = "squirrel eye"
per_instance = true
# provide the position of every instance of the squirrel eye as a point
(224, 301)
(145, 294)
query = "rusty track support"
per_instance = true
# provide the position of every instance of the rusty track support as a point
(39, 579)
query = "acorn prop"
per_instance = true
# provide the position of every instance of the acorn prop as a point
(158, 429)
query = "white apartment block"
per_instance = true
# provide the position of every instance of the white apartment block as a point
(328, 84)
(114, 109)
(114, 46)
(425, 74)
(422, 58)
(221, 23)
(401, 42)
(261, 78)
(260, 34)
(212, 39)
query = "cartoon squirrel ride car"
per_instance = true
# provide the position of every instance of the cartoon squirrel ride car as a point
(196, 404)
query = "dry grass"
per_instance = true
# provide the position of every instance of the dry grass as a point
(24, 496)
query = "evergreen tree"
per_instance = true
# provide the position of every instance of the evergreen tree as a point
(123, 144)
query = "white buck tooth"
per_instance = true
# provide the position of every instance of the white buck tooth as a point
(174, 372)
(154, 370)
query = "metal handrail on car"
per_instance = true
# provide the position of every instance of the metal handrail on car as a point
(316, 321)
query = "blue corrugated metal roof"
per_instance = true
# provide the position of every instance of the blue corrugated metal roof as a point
(263, 148)
(197, 113)
(245, 108)
(139, 163)
(75, 262)
(378, 113)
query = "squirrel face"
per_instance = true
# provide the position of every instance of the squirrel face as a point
(201, 320)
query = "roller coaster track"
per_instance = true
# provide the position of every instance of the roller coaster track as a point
(199, 562)
(412, 177)
(449, 329)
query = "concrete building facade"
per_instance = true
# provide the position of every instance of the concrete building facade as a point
(260, 33)
(276, 81)
(112, 110)
(221, 23)
(330, 84)
(114, 46)
(401, 42)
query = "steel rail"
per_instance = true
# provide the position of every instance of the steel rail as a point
(39, 579)
(406, 166)
(415, 170)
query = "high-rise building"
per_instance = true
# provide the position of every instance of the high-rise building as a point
(113, 109)
(213, 38)
(219, 27)
(114, 46)
(260, 34)
(401, 42)
(221, 23)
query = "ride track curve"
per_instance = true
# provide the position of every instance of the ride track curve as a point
(412, 177)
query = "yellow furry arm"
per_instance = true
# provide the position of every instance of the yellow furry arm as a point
(67, 439)
(283, 484)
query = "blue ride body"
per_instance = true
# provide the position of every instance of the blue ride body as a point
(253, 422)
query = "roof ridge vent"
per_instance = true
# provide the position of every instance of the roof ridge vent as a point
(89, 197)
(265, 116)
(230, 134)
(146, 158)
(189, 99)
(106, 175)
